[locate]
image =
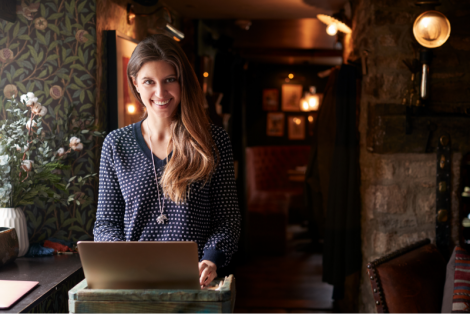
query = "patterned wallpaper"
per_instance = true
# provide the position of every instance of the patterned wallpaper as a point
(51, 51)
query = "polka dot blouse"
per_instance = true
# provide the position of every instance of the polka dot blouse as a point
(128, 199)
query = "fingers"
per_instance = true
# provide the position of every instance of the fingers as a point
(207, 273)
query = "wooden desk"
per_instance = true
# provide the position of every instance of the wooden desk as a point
(56, 276)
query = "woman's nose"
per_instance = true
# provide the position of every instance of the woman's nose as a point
(160, 91)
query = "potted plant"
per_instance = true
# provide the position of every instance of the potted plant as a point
(33, 161)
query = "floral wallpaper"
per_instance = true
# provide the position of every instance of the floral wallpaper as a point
(51, 51)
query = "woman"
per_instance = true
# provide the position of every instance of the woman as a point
(169, 177)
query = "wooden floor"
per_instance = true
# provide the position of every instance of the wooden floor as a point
(284, 284)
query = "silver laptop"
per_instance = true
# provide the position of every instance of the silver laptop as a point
(140, 265)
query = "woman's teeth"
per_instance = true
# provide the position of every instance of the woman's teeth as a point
(161, 103)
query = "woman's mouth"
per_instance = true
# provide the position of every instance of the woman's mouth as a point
(160, 102)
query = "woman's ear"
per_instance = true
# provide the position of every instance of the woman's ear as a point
(135, 83)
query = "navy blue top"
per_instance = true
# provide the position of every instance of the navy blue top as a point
(128, 200)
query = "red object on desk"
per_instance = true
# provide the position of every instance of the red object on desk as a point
(12, 290)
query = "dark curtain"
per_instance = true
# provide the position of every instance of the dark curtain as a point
(332, 178)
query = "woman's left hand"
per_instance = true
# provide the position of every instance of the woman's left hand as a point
(207, 272)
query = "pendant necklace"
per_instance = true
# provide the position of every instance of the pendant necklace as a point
(162, 218)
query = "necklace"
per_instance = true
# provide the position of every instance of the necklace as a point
(162, 218)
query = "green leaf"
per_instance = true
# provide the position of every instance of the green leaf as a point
(78, 82)
(90, 65)
(64, 53)
(78, 216)
(68, 24)
(52, 57)
(56, 16)
(21, 87)
(48, 102)
(84, 131)
(71, 7)
(40, 56)
(24, 37)
(54, 28)
(70, 59)
(24, 56)
(87, 18)
(31, 87)
(80, 6)
(13, 46)
(43, 73)
(16, 30)
(68, 222)
(9, 25)
(52, 45)
(43, 11)
(33, 53)
(74, 86)
(82, 96)
(78, 67)
(18, 72)
(40, 37)
(3, 40)
(8, 77)
(90, 96)
(80, 55)
(85, 107)
(77, 228)
(50, 221)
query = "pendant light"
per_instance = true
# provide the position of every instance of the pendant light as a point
(336, 22)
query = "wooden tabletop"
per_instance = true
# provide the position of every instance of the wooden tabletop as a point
(50, 271)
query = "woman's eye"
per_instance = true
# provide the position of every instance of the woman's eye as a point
(148, 82)
(171, 80)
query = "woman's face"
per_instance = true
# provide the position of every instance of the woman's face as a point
(159, 88)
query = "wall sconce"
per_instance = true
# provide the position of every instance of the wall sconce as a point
(177, 34)
(431, 29)
(337, 22)
(311, 100)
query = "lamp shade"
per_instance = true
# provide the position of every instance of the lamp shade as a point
(431, 29)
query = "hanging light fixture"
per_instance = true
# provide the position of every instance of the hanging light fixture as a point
(336, 22)
(311, 100)
(431, 29)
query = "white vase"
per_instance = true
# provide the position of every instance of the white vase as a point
(15, 218)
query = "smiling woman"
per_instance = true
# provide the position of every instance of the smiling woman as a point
(169, 177)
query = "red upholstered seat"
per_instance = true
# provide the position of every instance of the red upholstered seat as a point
(271, 194)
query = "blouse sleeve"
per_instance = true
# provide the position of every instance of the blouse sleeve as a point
(225, 222)
(109, 225)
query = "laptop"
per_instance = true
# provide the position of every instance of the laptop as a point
(140, 265)
(12, 290)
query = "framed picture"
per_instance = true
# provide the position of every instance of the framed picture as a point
(291, 94)
(296, 127)
(271, 99)
(275, 124)
(123, 108)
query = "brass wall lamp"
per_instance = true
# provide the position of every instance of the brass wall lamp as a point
(431, 29)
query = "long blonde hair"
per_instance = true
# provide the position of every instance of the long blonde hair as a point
(193, 147)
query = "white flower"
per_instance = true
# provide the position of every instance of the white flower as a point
(18, 148)
(74, 141)
(43, 111)
(78, 147)
(27, 165)
(61, 152)
(24, 98)
(4, 160)
(36, 108)
(28, 125)
(30, 94)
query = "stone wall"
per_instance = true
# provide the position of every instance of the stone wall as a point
(398, 190)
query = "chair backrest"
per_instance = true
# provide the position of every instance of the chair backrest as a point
(410, 280)
(267, 166)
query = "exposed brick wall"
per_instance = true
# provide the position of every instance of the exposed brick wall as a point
(398, 190)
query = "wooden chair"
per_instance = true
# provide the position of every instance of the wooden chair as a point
(409, 280)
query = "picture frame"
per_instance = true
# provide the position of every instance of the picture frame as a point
(270, 99)
(296, 127)
(275, 124)
(291, 95)
(123, 108)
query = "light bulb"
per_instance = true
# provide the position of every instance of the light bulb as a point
(304, 105)
(310, 119)
(206, 74)
(331, 30)
(131, 109)
(291, 76)
(431, 29)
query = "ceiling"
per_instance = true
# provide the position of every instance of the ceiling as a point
(254, 9)
(278, 26)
